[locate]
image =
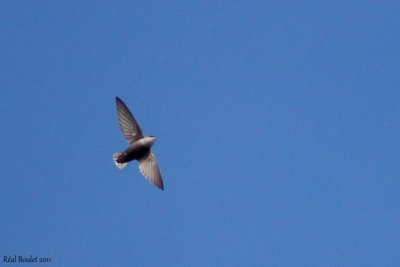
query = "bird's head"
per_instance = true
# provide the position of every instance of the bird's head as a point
(149, 140)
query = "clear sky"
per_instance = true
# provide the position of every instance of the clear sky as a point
(277, 124)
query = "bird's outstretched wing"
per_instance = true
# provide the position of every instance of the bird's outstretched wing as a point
(127, 123)
(149, 168)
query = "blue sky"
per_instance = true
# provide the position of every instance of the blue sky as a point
(277, 123)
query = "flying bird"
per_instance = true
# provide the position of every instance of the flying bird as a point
(139, 146)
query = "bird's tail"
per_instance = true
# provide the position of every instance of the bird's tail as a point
(116, 156)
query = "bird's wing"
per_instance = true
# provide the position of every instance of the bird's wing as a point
(149, 168)
(127, 123)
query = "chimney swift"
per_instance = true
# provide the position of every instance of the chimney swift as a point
(139, 146)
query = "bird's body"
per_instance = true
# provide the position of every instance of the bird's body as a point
(137, 150)
(139, 146)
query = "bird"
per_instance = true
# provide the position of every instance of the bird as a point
(139, 146)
